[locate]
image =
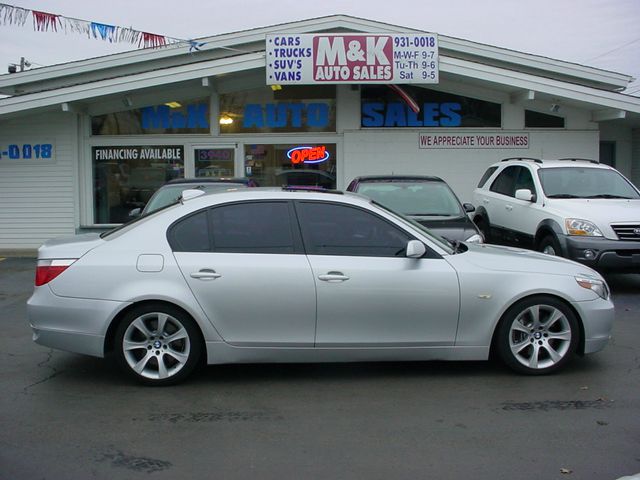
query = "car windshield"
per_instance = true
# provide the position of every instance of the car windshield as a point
(429, 199)
(171, 193)
(572, 182)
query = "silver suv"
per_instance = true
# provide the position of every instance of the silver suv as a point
(578, 209)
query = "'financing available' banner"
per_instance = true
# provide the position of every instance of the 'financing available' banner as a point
(307, 59)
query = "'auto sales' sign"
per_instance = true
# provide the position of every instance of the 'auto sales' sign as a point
(363, 58)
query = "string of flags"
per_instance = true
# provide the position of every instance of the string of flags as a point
(45, 22)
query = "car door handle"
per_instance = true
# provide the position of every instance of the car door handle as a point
(485, 201)
(205, 274)
(509, 207)
(333, 277)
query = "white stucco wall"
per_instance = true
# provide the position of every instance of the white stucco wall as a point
(396, 151)
(622, 136)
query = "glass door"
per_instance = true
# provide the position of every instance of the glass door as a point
(217, 161)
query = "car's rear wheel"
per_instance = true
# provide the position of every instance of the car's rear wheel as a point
(158, 344)
(538, 335)
(550, 246)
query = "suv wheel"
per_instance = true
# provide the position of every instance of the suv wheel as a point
(550, 246)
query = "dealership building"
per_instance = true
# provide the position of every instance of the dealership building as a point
(314, 102)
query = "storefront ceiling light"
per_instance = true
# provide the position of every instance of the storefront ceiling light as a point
(173, 104)
(226, 120)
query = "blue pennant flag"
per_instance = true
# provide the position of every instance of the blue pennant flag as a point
(193, 45)
(106, 32)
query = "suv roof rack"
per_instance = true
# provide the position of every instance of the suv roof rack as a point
(537, 160)
(309, 188)
(578, 160)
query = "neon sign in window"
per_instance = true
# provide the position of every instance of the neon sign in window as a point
(308, 154)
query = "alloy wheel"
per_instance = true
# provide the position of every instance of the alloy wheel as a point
(540, 337)
(156, 345)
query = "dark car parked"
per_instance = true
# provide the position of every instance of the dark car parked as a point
(425, 199)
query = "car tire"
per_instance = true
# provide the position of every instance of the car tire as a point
(483, 227)
(550, 246)
(158, 344)
(538, 335)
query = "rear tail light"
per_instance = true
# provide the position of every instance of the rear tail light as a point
(47, 270)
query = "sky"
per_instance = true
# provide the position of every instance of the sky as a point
(597, 33)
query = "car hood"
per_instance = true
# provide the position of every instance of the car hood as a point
(69, 247)
(508, 259)
(602, 211)
(459, 228)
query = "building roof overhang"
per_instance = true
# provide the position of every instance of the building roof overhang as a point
(520, 74)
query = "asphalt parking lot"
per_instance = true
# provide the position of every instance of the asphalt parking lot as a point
(66, 416)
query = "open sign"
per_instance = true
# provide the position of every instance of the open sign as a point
(308, 154)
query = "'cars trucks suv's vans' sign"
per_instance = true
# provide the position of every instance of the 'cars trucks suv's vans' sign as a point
(353, 58)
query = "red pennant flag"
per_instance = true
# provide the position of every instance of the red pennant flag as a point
(404, 95)
(152, 40)
(42, 21)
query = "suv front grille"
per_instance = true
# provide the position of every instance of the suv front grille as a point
(627, 232)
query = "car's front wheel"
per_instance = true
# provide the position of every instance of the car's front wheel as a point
(550, 246)
(538, 335)
(158, 344)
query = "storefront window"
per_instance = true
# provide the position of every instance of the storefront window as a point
(125, 177)
(542, 120)
(383, 107)
(294, 108)
(308, 164)
(170, 118)
(214, 162)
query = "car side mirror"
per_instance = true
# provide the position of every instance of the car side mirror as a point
(468, 208)
(135, 212)
(525, 194)
(415, 249)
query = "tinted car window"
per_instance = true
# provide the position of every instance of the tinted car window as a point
(331, 229)
(253, 227)
(486, 176)
(191, 234)
(505, 181)
(524, 180)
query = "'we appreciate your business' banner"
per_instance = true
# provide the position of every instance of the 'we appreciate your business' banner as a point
(307, 59)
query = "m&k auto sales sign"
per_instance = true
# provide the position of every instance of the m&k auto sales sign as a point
(306, 59)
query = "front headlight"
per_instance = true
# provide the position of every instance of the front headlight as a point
(475, 238)
(598, 286)
(576, 226)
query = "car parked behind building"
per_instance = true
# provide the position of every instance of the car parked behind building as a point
(425, 199)
(578, 209)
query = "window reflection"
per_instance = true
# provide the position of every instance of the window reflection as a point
(125, 177)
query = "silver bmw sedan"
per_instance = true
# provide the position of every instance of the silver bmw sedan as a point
(289, 275)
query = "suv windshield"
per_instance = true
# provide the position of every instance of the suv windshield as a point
(572, 182)
(414, 198)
